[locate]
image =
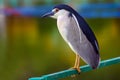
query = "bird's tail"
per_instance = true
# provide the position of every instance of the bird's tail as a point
(95, 63)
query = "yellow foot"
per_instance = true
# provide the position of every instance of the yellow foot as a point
(78, 69)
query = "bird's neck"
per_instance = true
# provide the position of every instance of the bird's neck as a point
(63, 19)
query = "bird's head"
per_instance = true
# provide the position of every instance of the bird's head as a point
(59, 10)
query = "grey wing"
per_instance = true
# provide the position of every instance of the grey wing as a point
(81, 45)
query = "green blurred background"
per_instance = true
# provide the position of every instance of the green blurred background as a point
(32, 46)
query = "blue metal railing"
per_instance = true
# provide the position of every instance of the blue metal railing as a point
(86, 10)
(100, 10)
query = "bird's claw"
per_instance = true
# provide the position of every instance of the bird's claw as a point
(77, 68)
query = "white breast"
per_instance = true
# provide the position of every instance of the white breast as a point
(63, 24)
(70, 32)
(73, 35)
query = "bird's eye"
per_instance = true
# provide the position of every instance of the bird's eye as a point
(56, 10)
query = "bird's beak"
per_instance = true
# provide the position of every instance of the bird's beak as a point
(48, 14)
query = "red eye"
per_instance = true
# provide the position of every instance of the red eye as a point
(56, 10)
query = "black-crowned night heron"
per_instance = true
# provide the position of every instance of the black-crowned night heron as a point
(78, 35)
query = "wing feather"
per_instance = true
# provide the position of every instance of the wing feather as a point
(91, 59)
(87, 31)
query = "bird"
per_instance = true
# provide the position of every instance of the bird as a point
(77, 34)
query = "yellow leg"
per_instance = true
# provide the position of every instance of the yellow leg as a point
(77, 63)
